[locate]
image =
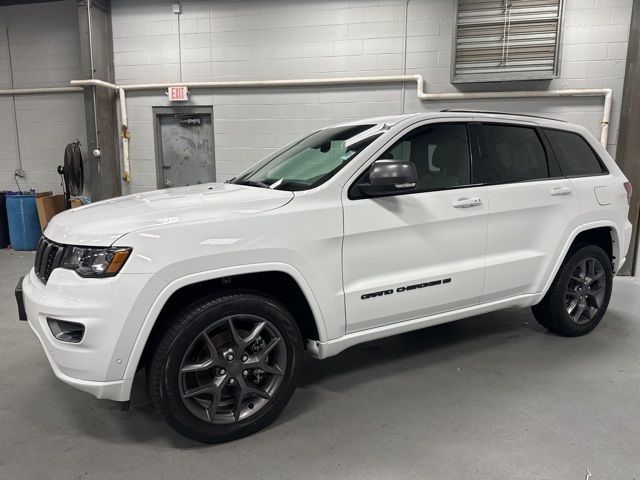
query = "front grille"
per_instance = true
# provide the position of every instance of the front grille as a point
(48, 257)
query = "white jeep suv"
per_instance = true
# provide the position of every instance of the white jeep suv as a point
(352, 233)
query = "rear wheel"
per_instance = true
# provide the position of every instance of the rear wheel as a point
(226, 367)
(579, 295)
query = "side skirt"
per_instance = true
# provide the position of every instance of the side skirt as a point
(330, 348)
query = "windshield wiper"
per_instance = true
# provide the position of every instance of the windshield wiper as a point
(251, 183)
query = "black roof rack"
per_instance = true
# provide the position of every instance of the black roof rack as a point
(459, 110)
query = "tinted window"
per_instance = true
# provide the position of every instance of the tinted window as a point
(574, 155)
(440, 154)
(515, 154)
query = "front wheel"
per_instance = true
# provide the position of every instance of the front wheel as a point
(579, 295)
(226, 367)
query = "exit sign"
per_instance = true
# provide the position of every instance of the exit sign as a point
(178, 94)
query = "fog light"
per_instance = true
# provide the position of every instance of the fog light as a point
(66, 331)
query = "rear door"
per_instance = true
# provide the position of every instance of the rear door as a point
(533, 208)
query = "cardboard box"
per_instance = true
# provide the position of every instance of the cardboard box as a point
(48, 207)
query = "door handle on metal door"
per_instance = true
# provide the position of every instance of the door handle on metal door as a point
(561, 191)
(467, 202)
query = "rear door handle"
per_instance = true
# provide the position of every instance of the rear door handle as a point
(467, 202)
(561, 191)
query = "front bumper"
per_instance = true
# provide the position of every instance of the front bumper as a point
(118, 390)
(111, 310)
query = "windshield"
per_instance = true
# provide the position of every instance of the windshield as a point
(311, 161)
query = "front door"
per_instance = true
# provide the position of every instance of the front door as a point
(185, 144)
(419, 253)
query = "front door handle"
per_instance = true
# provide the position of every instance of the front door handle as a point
(561, 191)
(467, 202)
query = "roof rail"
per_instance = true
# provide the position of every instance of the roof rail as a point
(459, 110)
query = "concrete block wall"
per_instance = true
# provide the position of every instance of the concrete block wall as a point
(45, 53)
(267, 39)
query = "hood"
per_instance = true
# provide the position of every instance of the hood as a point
(102, 223)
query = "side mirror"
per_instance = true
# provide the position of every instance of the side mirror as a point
(389, 177)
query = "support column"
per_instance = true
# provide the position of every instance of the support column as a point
(102, 171)
(628, 151)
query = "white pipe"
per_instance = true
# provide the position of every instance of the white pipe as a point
(607, 93)
(28, 91)
(96, 82)
(255, 83)
(96, 132)
(606, 117)
(405, 27)
(13, 103)
(124, 135)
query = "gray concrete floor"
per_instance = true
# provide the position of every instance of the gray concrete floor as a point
(490, 397)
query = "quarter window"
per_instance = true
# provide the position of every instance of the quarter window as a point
(514, 154)
(439, 152)
(574, 155)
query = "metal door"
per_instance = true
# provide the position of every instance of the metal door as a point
(184, 143)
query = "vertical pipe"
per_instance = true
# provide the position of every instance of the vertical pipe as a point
(13, 99)
(93, 72)
(404, 52)
(178, 13)
(124, 135)
(606, 117)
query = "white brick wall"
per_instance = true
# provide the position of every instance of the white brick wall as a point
(45, 52)
(268, 39)
(260, 39)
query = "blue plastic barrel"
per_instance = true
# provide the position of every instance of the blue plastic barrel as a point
(24, 225)
(4, 224)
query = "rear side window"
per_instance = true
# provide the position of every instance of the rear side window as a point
(514, 154)
(574, 155)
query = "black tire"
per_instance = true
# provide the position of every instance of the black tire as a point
(169, 374)
(553, 311)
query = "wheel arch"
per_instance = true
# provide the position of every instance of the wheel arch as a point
(602, 233)
(273, 279)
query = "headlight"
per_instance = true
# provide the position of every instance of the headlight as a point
(95, 262)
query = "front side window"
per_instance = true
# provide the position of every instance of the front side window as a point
(313, 160)
(575, 157)
(440, 153)
(514, 154)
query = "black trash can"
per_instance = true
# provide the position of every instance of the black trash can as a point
(4, 223)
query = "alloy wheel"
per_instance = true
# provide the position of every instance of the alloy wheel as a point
(585, 291)
(232, 369)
